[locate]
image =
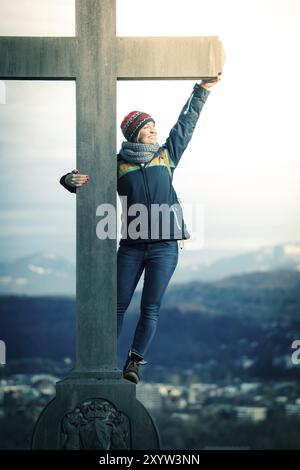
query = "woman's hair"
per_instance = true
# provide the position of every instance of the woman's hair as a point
(136, 140)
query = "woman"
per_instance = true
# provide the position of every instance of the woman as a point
(145, 173)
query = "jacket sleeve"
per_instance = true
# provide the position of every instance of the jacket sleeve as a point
(182, 132)
(72, 189)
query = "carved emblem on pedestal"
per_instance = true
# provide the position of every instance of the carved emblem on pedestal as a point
(95, 424)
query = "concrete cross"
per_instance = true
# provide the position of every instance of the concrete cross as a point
(95, 58)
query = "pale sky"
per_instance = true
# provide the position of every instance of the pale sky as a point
(243, 162)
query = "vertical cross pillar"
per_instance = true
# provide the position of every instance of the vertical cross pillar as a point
(96, 137)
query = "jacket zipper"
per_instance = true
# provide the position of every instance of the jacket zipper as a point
(142, 165)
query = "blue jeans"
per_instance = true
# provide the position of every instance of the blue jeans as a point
(159, 259)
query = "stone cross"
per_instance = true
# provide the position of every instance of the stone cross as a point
(96, 58)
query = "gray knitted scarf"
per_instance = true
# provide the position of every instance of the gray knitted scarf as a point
(138, 153)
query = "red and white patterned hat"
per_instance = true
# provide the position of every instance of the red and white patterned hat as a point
(133, 123)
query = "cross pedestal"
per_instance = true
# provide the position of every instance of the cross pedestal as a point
(95, 408)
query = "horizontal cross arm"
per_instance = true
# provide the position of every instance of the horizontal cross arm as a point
(37, 57)
(169, 57)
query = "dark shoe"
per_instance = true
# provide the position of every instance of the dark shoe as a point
(131, 367)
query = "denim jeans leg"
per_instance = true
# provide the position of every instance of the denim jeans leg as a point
(130, 266)
(160, 263)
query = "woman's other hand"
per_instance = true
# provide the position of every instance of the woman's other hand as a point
(75, 179)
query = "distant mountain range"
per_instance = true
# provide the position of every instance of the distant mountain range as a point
(269, 258)
(49, 274)
(38, 274)
(263, 296)
(241, 325)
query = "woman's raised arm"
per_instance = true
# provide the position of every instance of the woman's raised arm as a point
(181, 133)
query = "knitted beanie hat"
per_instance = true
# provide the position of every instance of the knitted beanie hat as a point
(133, 123)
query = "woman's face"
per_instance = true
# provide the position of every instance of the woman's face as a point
(148, 134)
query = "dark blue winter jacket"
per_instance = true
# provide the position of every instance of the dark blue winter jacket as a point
(150, 184)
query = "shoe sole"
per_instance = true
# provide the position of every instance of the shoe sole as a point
(131, 376)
